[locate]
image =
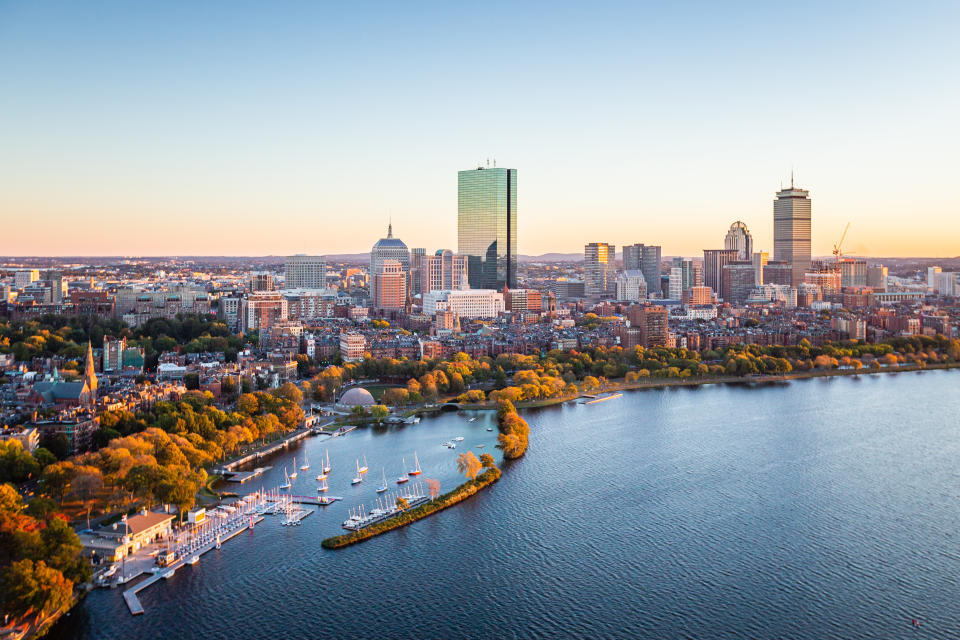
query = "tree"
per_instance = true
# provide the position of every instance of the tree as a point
(402, 503)
(289, 391)
(434, 488)
(468, 465)
(359, 411)
(85, 486)
(248, 404)
(35, 587)
(56, 479)
(487, 461)
(378, 412)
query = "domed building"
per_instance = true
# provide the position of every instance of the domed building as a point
(356, 397)
(388, 248)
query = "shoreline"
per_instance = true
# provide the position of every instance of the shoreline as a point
(438, 504)
(662, 383)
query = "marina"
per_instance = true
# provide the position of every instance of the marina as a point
(388, 506)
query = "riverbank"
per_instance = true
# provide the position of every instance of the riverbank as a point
(661, 383)
(464, 491)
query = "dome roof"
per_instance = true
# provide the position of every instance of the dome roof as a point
(390, 242)
(357, 396)
(384, 243)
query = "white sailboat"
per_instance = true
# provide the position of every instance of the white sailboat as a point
(403, 478)
(364, 468)
(323, 485)
(326, 467)
(294, 474)
(286, 480)
(383, 485)
(359, 477)
(416, 466)
(306, 463)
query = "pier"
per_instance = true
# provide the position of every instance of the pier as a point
(197, 541)
(386, 508)
(242, 476)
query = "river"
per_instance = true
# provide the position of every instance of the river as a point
(818, 508)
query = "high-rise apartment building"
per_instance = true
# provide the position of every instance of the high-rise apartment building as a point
(388, 248)
(487, 226)
(305, 272)
(390, 285)
(739, 238)
(443, 270)
(113, 353)
(713, 262)
(931, 276)
(261, 281)
(646, 258)
(261, 310)
(599, 269)
(652, 321)
(853, 273)
(792, 231)
(523, 300)
(58, 286)
(877, 277)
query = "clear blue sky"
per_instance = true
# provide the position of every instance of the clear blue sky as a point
(271, 128)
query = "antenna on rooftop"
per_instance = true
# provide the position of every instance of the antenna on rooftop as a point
(494, 163)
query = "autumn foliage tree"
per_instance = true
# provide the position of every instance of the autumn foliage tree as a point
(469, 465)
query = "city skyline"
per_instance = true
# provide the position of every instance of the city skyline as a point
(283, 116)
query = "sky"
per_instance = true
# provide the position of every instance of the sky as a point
(235, 128)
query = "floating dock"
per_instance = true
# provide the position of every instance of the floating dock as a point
(602, 398)
(243, 476)
(243, 523)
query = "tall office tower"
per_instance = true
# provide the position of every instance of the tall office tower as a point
(58, 286)
(853, 272)
(760, 258)
(487, 226)
(388, 248)
(444, 270)
(599, 269)
(931, 276)
(391, 286)
(739, 238)
(646, 258)
(305, 272)
(417, 255)
(737, 281)
(261, 281)
(713, 263)
(877, 277)
(689, 273)
(791, 231)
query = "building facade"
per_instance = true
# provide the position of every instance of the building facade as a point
(487, 226)
(739, 238)
(305, 272)
(388, 248)
(792, 231)
(599, 269)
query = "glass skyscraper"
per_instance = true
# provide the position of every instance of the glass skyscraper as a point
(487, 226)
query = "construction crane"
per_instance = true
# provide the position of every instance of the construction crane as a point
(836, 247)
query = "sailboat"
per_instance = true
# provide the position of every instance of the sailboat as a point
(286, 480)
(383, 485)
(363, 469)
(359, 477)
(326, 466)
(404, 477)
(416, 466)
(306, 463)
(323, 485)
(294, 474)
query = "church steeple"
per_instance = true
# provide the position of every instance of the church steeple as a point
(89, 374)
(390, 228)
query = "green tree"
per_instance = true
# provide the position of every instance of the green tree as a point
(378, 412)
